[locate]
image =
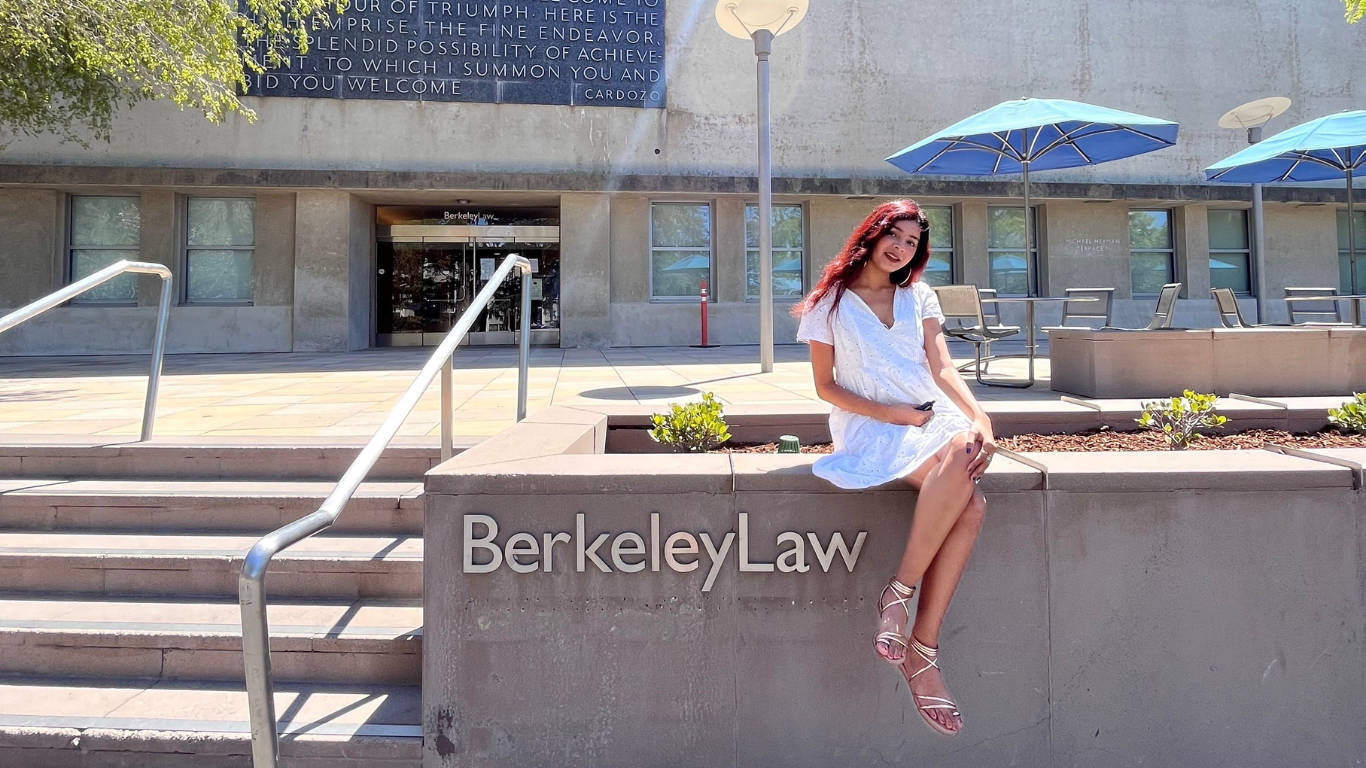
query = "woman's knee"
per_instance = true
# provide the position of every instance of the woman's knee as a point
(976, 510)
(957, 456)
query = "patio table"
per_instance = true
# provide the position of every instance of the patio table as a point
(1355, 298)
(1031, 346)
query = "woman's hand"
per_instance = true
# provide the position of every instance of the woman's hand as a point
(984, 442)
(907, 415)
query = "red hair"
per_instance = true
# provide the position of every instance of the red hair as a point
(842, 269)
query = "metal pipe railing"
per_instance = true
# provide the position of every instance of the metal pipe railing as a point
(57, 298)
(265, 739)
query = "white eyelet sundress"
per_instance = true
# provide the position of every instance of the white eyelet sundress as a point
(885, 365)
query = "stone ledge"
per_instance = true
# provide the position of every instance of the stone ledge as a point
(562, 452)
(1243, 470)
(886, 186)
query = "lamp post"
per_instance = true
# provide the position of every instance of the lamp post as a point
(1252, 116)
(761, 21)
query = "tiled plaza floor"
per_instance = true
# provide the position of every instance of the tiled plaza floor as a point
(348, 395)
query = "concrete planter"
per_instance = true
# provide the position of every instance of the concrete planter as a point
(1284, 362)
(1163, 609)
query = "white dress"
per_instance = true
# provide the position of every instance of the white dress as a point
(885, 365)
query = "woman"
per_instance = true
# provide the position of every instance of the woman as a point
(872, 319)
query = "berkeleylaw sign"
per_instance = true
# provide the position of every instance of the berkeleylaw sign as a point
(628, 552)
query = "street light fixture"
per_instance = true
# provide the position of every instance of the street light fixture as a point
(761, 21)
(1252, 116)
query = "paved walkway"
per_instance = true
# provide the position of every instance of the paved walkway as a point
(348, 395)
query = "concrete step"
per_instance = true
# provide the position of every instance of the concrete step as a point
(329, 567)
(295, 458)
(359, 641)
(255, 506)
(202, 724)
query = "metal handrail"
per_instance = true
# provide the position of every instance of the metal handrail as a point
(265, 740)
(57, 298)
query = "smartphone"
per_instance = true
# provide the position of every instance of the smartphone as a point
(925, 406)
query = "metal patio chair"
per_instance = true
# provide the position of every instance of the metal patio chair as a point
(1166, 307)
(1086, 314)
(965, 320)
(1229, 313)
(1326, 312)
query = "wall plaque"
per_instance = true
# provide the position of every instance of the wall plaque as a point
(570, 52)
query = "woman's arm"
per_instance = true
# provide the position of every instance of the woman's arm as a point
(823, 371)
(951, 382)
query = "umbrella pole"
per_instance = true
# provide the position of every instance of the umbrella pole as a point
(1351, 238)
(1029, 261)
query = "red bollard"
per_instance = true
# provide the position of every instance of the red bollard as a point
(702, 296)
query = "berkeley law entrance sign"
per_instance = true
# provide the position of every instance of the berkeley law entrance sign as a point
(571, 52)
(679, 552)
(588, 609)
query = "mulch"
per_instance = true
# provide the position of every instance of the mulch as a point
(1108, 440)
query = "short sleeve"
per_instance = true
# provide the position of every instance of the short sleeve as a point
(928, 303)
(815, 324)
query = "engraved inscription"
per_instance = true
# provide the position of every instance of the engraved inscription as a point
(570, 52)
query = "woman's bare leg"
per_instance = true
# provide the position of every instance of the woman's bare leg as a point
(942, 577)
(944, 494)
(936, 591)
(949, 512)
(945, 488)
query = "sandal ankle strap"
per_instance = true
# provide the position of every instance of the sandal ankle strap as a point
(924, 650)
(900, 589)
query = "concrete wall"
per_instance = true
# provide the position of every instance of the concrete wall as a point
(585, 269)
(29, 250)
(1302, 250)
(829, 141)
(1214, 598)
(1142, 57)
(332, 238)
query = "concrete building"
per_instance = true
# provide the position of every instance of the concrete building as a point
(613, 141)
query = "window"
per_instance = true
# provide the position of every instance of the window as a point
(680, 249)
(1344, 255)
(1229, 252)
(940, 269)
(104, 230)
(1005, 251)
(1150, 251)
(220, 237)
(787, 252)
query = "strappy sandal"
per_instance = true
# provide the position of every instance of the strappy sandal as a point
(900, 598)
(931, 657)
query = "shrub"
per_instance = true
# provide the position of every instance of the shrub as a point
(691, 427)
(1351, 417)
(1181, 417)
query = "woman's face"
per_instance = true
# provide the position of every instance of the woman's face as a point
(895, 249)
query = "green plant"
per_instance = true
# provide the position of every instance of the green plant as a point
(691, 427)
(1181, 417)
(1351, 417)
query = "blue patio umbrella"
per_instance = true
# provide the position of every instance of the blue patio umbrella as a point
(1043, 134)
(1330, 147)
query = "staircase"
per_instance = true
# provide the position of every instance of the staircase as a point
(120, 638)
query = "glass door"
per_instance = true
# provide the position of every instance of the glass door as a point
(428, 276)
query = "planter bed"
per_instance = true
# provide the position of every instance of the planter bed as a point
(1110, 440)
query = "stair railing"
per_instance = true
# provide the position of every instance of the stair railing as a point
(59, 297)
(265, 739)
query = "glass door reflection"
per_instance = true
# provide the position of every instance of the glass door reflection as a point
(425, 283)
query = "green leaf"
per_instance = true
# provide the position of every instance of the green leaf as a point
(71, 64)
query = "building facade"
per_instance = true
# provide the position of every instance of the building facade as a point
(613, 143)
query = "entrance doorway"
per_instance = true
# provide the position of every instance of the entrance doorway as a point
(428, 275)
